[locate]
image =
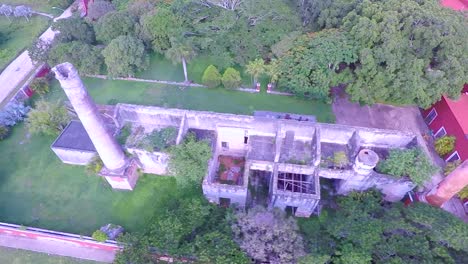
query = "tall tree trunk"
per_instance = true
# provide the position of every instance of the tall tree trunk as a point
(184, 65)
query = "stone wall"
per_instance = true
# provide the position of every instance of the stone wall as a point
(74, 157)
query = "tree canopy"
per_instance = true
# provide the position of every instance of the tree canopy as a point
(74, 29)
(112, 25)
(124, 56)
(86, 58)
(47, 118)
(364, 229)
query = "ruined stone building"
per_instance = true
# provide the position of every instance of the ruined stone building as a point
(286, 157)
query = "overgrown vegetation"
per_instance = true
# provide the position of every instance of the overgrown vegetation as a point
(451, 166)
(124, 134)
(444, 145)
(40, 85)
(95, 166)
(365, 229)
(159, 140)
(189, 161)
(340, 159)
(412, 163)
(47, 118)
(99, 236)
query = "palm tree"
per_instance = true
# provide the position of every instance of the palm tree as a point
(273, 71)
(180, 51)
(255, 68)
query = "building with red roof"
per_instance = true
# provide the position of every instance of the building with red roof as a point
(450, 117)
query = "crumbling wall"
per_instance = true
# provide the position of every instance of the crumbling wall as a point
(384, 138)
(151, 162)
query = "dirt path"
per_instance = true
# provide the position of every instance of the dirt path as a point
(20, 69)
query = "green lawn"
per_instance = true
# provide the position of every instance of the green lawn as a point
(163, 69)
(16, 256)
(218, 100)
(36, 5)
(18, 35)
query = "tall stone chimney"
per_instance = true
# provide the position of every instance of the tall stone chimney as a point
(107, 147)
(448, 187)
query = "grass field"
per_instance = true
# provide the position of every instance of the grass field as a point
(16, 256)
(37, 189)
(218, 100)
(163, 69)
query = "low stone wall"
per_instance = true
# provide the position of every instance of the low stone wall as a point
(57, 243)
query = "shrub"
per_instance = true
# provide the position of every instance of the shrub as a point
(451, 166)
(4, 132)
(48, 118)
(463, 193)
(211, 77)
(444, 145)
(95, 166)
(159, 140)
(40, 85)
(124, 133)
(340, 159)
(99, 236)
(408, 162)
(13, 113)
(231, 78)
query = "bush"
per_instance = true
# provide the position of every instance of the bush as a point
(159, 140)
(408, 162)
(340, 159)
(451, 166)
(444, 145)
(463, 194)
(40, 85)
(211, 77)
(99, 236)
(124, 133)
(95, 166)
(231, 78)
(4, 132)
(48, 118)
(13, 113)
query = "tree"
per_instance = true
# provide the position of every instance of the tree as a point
(189, 161)
(412, 163)
(59, 3)
(13, 113)
(410, 52)
(112, 25)
(317, 62)
(98, 8)
(124, 56)
(255, 68)
(444, 145)
(160, 25)
(231, 78)
(364, 229)
(135, 250)
(268, 236)
(4, 132)
(217, 247)
(181, 51)
(211, 77)
(23, 11)
(39, 51)
(273, 71)
(47, 118)
(40, 85)
(86, 58)
(6, 10)
(74, 29)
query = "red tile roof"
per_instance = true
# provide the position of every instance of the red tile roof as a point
(455, 4)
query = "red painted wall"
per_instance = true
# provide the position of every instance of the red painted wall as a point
(446, 119)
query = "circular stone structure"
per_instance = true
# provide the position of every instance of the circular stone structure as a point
(366, 160)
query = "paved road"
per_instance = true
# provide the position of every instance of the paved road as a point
(19, 69)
